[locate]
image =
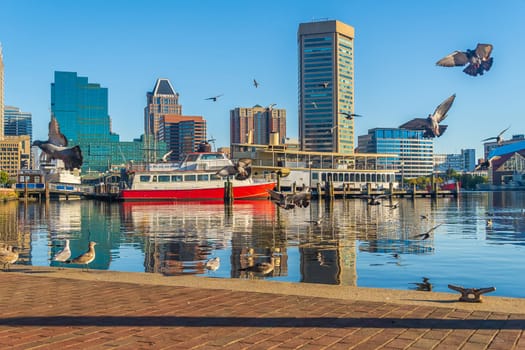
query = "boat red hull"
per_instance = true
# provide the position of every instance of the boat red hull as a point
(253, 191)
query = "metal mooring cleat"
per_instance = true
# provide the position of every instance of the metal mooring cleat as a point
(471, 295)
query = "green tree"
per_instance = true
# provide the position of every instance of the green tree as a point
(4, 178)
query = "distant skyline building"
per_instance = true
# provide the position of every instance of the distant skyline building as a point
(1, 94)
(326, 86)
(17, 123)
(257, 125)
(464, 161)
(161, 101)
(415, 152)
(81, 109)
(182, 134)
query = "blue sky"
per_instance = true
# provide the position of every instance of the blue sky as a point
(209, 47)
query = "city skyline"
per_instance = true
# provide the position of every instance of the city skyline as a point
(219, 48)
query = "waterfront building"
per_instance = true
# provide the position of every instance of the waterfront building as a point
(182, 134)
(415, 151)
(163, 100)
(15, 154)
(17, 123)
(1, 94)
(326, 86)
(508, 165)
(489, 146)
(81, 109)
(461, 162)
(257, 125)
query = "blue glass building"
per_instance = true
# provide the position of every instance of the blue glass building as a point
(17, 123)
(81, 109)
(415, 151)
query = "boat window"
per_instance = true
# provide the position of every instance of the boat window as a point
(323, 176)
(144, 178)
(176, 178)
(164, 178)
(363, 178)
(315, 176)
(352, 177)
(341, 177)
(212, 156)
(374, 178)
(192, 157)
(189, 177)
(347, 177)
(202, 177)
(367, 178)
(154, 178)
(215, 177)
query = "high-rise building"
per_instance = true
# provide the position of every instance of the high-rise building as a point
(326, 86)
(17, 123)
(182, 134)
(415, 151)
(81, 109)
(257, 125)
(464, 161)
(161, 101)
(1, 94)
(15, 154)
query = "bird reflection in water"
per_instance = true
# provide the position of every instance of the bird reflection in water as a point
(257, 269)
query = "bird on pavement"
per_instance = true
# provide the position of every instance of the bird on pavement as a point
(430, 125)
(55, 147)
(8, 256)
(86, 258)
(499, 138)
(63, 255)
(478, 60)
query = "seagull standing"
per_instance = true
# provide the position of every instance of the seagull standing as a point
(478, 60)
(499, 138)
(86, 258)
(64, 254)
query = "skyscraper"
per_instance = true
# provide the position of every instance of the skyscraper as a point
(17, 123)
(326, 86)
(257, 124)
(1, 94)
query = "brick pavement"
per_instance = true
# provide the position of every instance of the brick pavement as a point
(50, 312)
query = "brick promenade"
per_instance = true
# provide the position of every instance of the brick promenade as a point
(50, 309)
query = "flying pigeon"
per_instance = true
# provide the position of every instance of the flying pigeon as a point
(499, 138)
(242, 169)
(427, 234)
(55, 147)
(478, 60)
(214, 98)
(431, 124)
(255, 83)
(486, 164)
(350, 116)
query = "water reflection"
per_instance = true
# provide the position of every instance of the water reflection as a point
(345, 242)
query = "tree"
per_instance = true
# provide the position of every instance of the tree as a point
(4, 178)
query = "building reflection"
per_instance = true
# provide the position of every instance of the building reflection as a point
(13, 232)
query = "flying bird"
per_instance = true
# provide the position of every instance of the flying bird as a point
(314, 104)
(255, 83)
(392, 206)
(478, 60)
(55, 147)
(241, 170)
(486, 164)
(431, 123)
(86, 258)
(488, 224)
(165, 158)
(350, 116)
(302, 199)
(375, 199)
(427, 234)
(270, 107)
(324, 84)
(213, 264)
(499, 138)
(214, 98)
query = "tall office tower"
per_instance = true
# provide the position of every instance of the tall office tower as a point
(415, 151)
(161, 101)
(326, 86)
(257, 125)
(17, 123)
(182, 134)
(1, 94)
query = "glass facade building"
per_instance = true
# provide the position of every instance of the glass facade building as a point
(1, 94)
(326, 86)
(415, 151)
(17, 123)
(81, 109)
